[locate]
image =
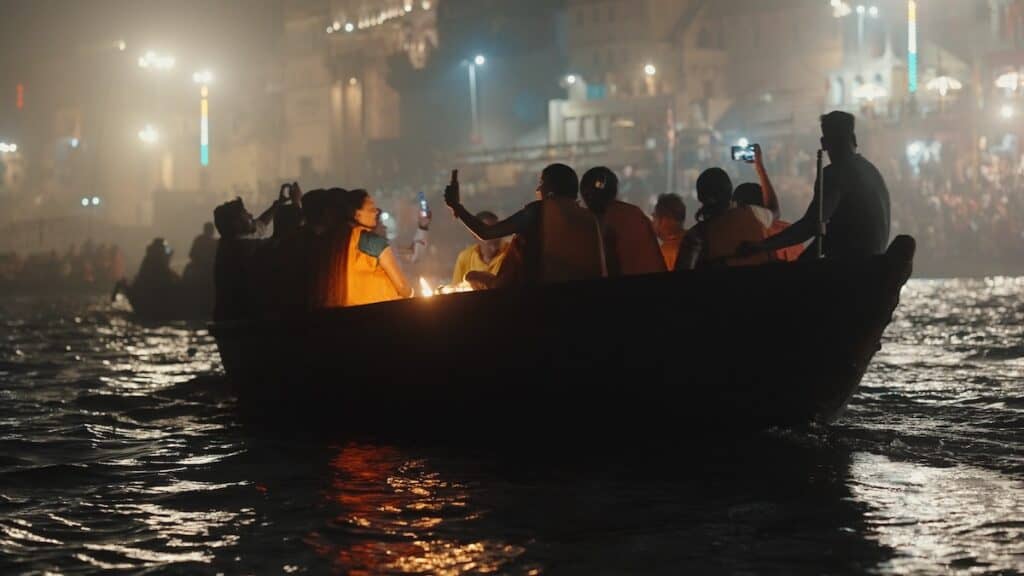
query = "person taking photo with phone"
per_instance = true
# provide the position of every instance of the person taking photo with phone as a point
(555, 241)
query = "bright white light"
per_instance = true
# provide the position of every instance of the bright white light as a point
(840, 9)
(743, 142)
(5, 147)
(650, 70)
(330, 29)
(203, 77)
(384, 216)
(336, 25)
(870, 92)
(95, 200)
(353, 81)
(157, 61)
(12, 147)
(85, 202)
(425, 4)
(73, 142)
(944, 85)
(408, 6)
(479, 60)
(873, 11)
(122, 46)
(149, 135)
(860, 9)
(425, 290)
(1007, 112)
(571, 79)
(1008, 81)
(349, 27)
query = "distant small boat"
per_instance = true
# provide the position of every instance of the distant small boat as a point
(706, 353)
(178, 301)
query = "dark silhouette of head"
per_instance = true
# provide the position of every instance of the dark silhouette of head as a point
(489, 248)
(714, 190)
(317, 209)
(669, 216)
(838, 136)
(749, 194)
(233, 220)
(670, 206)
(351, 202)
(599, 186)
(208, 229)
(559, 180)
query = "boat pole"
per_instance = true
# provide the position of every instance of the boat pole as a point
(819, 232)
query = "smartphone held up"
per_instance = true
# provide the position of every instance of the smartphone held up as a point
(744, 153)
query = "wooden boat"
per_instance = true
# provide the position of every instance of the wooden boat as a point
(178, 301)
(670, 355)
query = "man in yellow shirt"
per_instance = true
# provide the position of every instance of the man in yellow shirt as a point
(484, 256)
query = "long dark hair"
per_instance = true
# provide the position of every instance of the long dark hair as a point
(599, 186)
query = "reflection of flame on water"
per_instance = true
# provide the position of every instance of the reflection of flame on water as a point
(390, 512)
(425, 290)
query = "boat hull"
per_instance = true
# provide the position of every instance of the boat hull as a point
(723, 352)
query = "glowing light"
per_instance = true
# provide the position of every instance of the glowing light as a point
(1007, 112)
(95, 200)
(149, 135)
(353, 81)
(650, 70)
(571, 79)
(349, 27)
(912, 46)
(743, 142)
(1008, 81)
(73, 142)
(944, 85)
(203, 77)
(408, 6)
(479, 60)
(425, 290)
(330, 29)
(336, 25)
(426, 4)
(873, 11)
(6, 147)
(860, 9)
(204, 129)
(122, 46)
(156, 61)
(870, 92)
(840, 9)
(85, 202)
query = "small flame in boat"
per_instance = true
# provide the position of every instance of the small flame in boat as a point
(425, 290)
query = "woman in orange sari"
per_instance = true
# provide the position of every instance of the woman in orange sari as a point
(371, 273)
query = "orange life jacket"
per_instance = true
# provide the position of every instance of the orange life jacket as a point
(724, 234)
(630, 244)
(789, 253)
(570, 243)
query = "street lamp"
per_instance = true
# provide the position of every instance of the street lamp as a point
(154, 61)
(149, 135)
(650, 69)
(8, 147)
(571, 79)
(478, 60)
(204, 78)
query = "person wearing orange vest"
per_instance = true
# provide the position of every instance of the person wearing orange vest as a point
(762, 199)
(372, 273)
(669, 218)
(555, 241)
(630, 245)
(722, 227)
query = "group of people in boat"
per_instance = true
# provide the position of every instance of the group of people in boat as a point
(327, 251)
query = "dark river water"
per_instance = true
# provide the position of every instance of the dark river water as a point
(120, 450)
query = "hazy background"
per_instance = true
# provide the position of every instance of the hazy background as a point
(377, 94)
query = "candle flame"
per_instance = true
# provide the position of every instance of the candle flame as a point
(425, 290)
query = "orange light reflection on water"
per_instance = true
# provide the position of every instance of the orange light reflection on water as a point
(392, 511)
